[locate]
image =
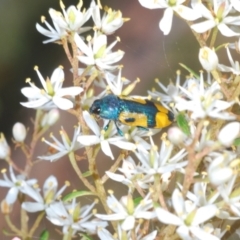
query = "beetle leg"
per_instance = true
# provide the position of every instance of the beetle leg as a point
(107, 126)
(120, 132)
(142, 128)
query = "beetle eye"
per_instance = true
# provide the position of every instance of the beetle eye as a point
(95, 110)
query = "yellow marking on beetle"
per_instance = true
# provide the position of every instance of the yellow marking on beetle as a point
(160, 108)
(138, 119)
(162, 120)
(137, 100)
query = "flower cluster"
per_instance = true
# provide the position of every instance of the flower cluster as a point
(180, 184)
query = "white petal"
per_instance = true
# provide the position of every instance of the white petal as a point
(187, 13)
(71, 91)
(33, 206)
(228, 133)
(226, 31)
(203, 26)
(32, 93)
(115, 177)
(178, 202)
(82, 46)
(5, 183)
(106, 149)
(87, 60)
(183, 232)
(110, 217)
(57, 75)
(145, 215)
(166, 22)
(220, 175)
(12, 195)
(88, 140)
(167, 217)
(151, 4)
(124, 145)
(91, 123)
(128, 223)
(204, 213)
(99, 42)
(35, 104)
(150, 236)
(62, 103)
(202, 235)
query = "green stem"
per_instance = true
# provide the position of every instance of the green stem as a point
(36, 223)
(24, 223)
(114, 167)
(214, 37)
(12, 226)
(98, 182)
(68, 236)
(79, 173)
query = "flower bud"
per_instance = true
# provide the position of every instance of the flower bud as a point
(4, 148)
(50, 118)
(176, 136)
(228, 133)
(5, 207)
(19, 132)
(218, 171)
(208, 58)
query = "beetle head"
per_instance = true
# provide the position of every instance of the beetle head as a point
(107, 107)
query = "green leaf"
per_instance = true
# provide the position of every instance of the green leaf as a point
(76, 194)
(137, 200)
(183, 124)
(190, 70)
(87, 174)
(236, 142)
(85, 236)
(44, 235)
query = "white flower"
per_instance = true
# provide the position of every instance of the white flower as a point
(130, 175)
(200, 195)
(235, 4)
(50, 118)
(171, 7)
(72, 20)
(176, 135)
(19, 132)
(228, 133)
(162, 162)
(63, 148)
(4, 147)
(217, 17)
(171, 92)
(208, 58)
(104, 234)
(16, 184)
(73, 216)
(235, 68)
(116, 83)
(230, 194)
(125, 211)
(220, 170)
(188, 218)
(103, 138)
(204, 101)
(52, 95)
(110, 22)
(97, 53)
(50, 195)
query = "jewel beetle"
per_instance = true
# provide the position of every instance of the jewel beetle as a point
(135, 112)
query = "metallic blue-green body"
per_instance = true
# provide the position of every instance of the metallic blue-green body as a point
(112, 107)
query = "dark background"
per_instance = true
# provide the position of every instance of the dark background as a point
(148, 54)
